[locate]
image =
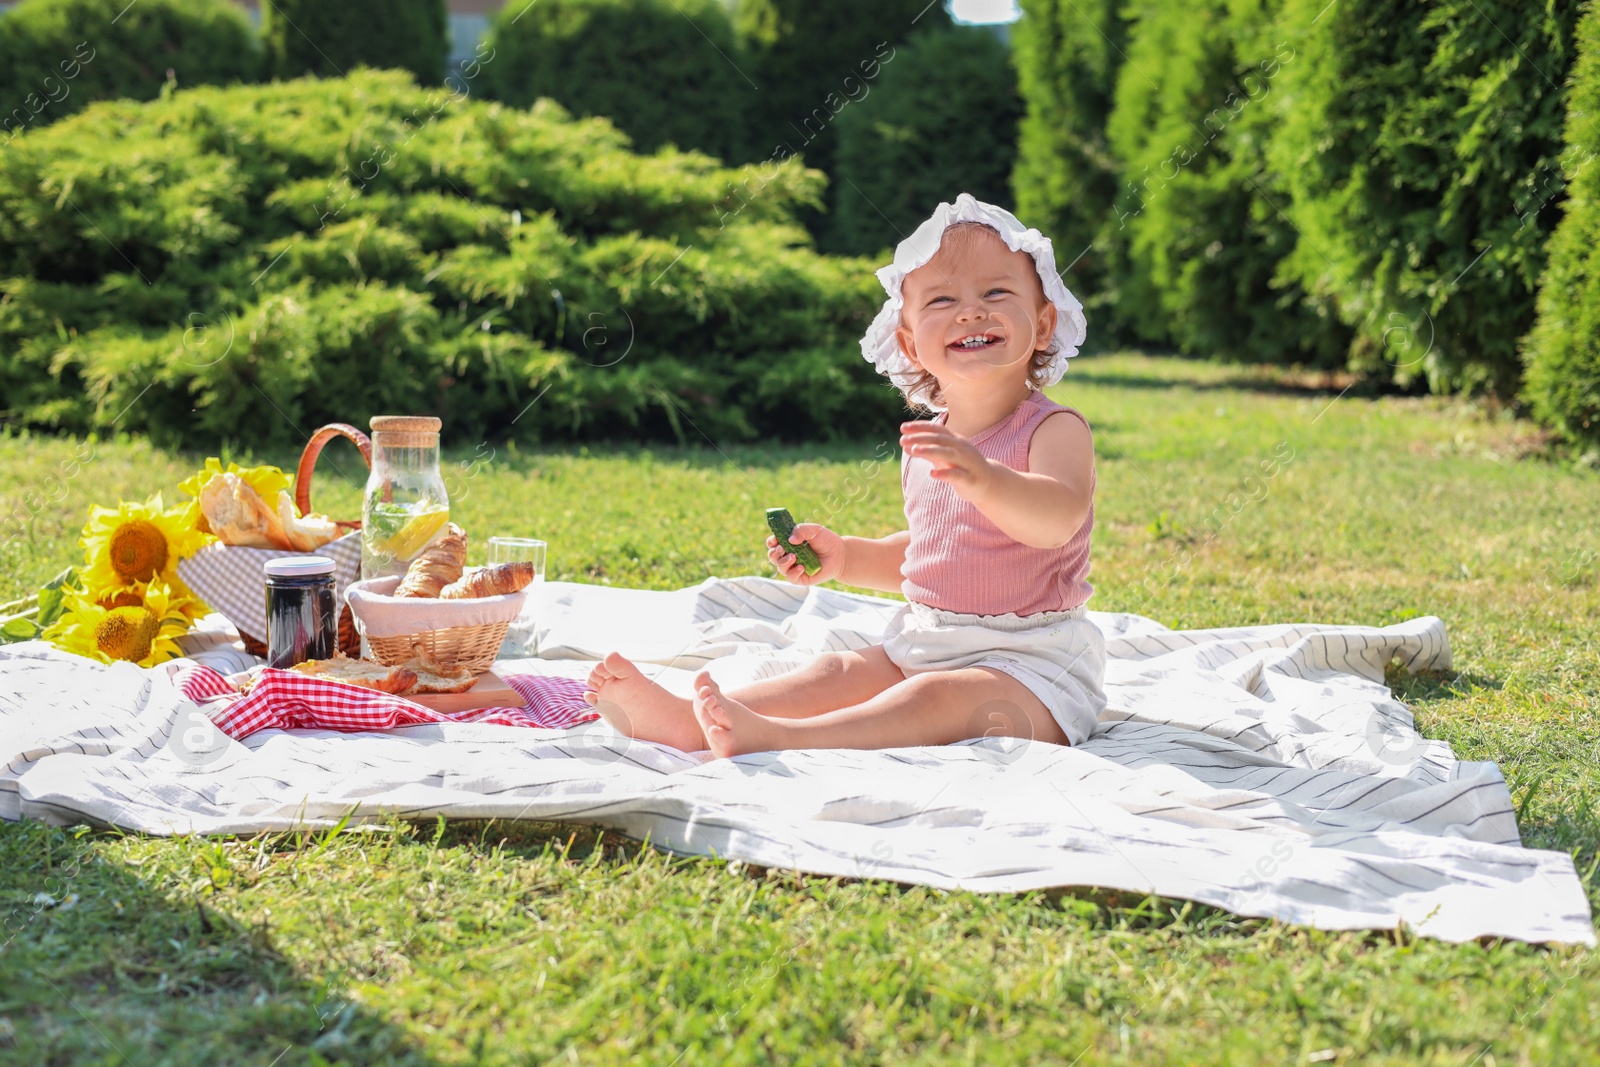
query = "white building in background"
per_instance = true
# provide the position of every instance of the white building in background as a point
(469, 19)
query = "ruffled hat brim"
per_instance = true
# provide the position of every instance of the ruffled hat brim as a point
(879, 347)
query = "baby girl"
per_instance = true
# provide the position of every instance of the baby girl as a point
(994, 638)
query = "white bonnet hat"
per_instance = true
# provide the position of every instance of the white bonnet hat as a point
(879, 345)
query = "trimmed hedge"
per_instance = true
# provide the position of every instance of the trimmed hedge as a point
(1563, 351)
(1414, 139)
(941, 120)
(247, 263)
(1066, 179)
(59, 56)
(660, 70)
(1196, 237)
(330, 38)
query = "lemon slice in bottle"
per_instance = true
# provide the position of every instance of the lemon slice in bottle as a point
(414, 536)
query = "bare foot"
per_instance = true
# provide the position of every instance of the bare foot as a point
(731, 728)
(638, 707)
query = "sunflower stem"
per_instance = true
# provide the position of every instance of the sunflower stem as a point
(28, 605)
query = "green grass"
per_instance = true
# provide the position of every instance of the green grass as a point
(529, 943)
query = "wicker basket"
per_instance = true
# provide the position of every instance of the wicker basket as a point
(469, 633)
(473, 647)
(225, 575)
(349, 638)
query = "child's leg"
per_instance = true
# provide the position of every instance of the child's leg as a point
(639, 707)
(833, 680)
(934, 708)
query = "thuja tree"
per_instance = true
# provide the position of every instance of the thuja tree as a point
(1563, 351)
(1067, 54)
(660, 70)
(807, 57)
(942, 120)
(1416, 146)
(1197, 235)
(330, 39)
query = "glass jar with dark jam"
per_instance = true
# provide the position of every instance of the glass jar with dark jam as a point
(302, 622)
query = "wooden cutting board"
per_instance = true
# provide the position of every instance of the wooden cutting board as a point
(490, 692)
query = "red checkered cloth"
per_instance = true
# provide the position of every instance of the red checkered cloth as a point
(286, 700)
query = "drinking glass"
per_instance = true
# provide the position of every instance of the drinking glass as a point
(522, 637)
(517, 549)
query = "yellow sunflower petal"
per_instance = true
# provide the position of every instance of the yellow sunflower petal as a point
(134, 543)
(174, 604)
(141, 633)
(197, 482)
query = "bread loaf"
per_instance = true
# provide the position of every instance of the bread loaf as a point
(232, 510)
(305, 534)
(416, 675)
(399, 680)
(490, 581)
(433, 677)
(236, 513)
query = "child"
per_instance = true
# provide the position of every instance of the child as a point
(999, 500)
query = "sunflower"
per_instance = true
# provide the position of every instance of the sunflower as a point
(267, 481)
(132, 544)
(128, 625)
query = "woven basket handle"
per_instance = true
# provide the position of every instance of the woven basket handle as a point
(308, 462)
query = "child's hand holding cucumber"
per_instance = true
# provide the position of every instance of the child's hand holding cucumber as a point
(804, 553)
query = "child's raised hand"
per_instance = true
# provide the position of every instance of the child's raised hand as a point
(954, 458)
(828, 546)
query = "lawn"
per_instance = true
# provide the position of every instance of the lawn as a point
(518, 943)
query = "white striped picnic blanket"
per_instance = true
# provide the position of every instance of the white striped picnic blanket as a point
(1262, 769)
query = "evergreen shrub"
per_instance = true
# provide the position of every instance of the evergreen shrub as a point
(1197, 232)
(661, 70)
(59, 56)
(246, 263)
(330, 38)
(941, 120)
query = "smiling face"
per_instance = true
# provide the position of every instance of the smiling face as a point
(975, 313)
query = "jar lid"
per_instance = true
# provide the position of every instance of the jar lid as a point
(406, 424)
(405, 431)
(299, 566)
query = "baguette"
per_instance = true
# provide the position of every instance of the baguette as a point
(490, 581)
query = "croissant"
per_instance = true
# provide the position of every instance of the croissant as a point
(436, 566)
(491, 581)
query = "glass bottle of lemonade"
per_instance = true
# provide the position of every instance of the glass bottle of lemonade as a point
(406, 505)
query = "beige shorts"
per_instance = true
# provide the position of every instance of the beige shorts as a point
(1059, 655)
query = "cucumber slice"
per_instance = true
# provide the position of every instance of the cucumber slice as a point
(781, 523)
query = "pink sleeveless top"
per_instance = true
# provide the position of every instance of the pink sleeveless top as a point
(960, 561)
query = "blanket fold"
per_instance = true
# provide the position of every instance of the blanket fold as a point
(1265, 769)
